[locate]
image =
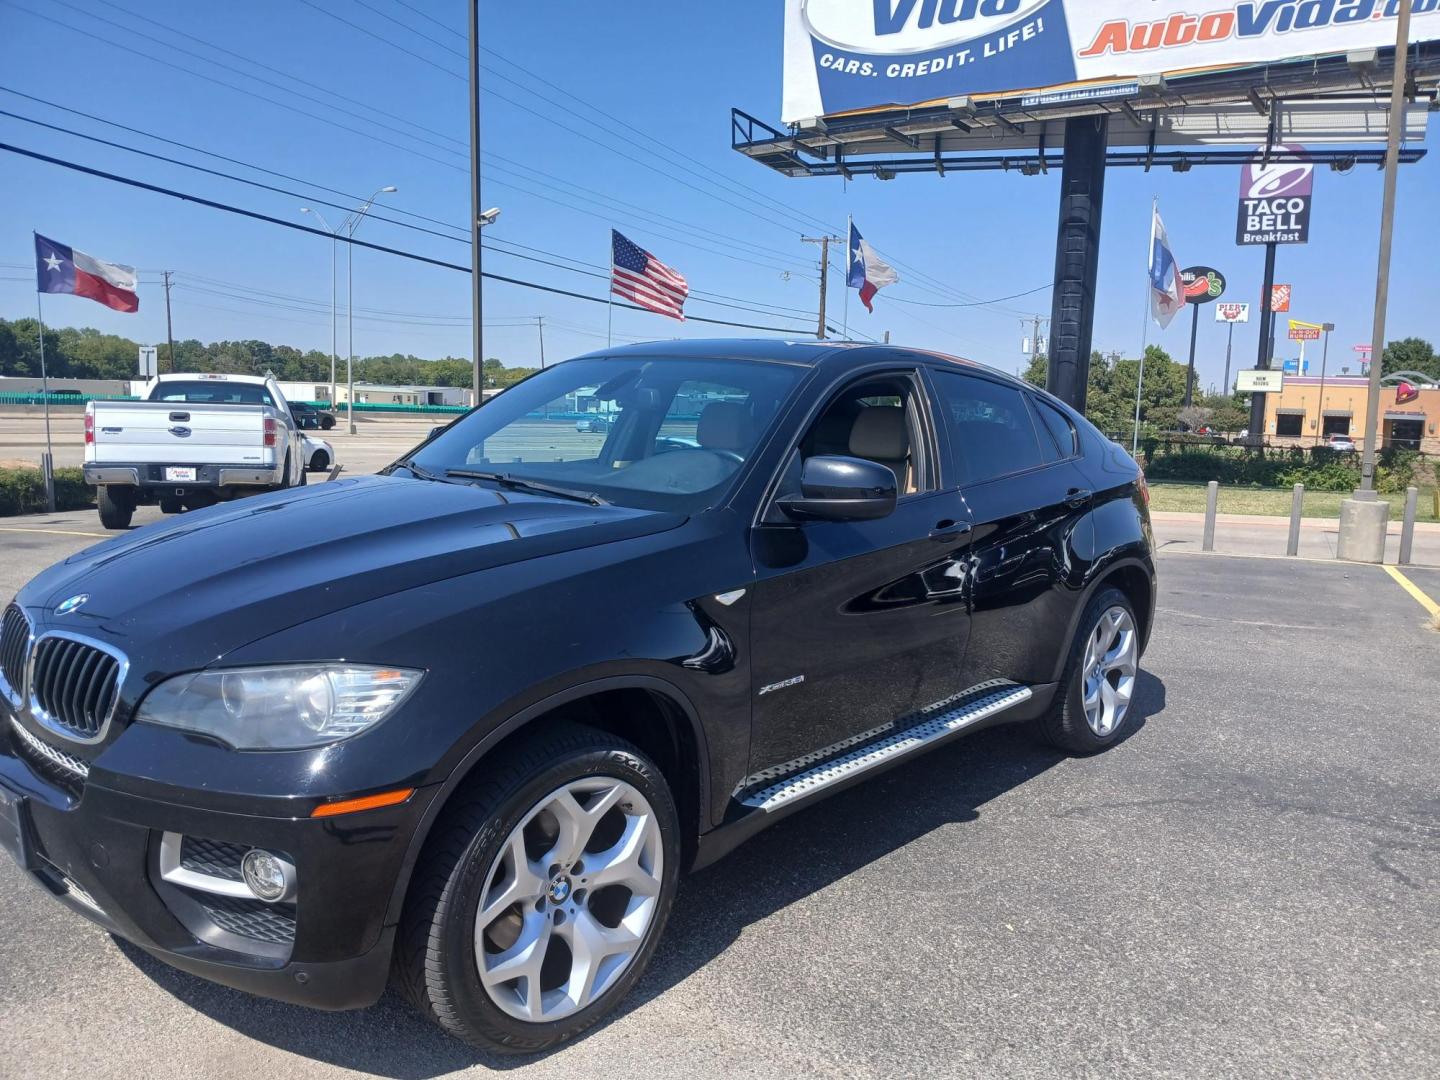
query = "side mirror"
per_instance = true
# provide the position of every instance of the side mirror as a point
(842, 489)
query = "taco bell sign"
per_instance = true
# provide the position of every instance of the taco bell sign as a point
(1275, 200)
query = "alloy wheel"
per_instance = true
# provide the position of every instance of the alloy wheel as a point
(569, 899)
(1111, 653)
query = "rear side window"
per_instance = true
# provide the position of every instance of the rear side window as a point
(1058, 427)
(991, 433)
(212, 392)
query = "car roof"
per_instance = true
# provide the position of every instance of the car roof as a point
(774, 350)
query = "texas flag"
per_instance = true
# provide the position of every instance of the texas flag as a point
(866, 271)
(61, 269)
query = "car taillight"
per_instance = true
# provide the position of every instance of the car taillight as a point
(1144, 488)
(270, 434)
(89, 429)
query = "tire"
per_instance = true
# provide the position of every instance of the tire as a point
(285, 474)
(304, 477)
(1068, 725)
(117, 506)
(440, 947)
(320, 461)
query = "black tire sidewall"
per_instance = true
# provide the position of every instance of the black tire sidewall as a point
(468, 996)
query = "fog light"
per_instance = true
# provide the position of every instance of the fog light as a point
(268, 876)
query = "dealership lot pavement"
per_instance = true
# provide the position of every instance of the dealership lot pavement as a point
(1250, 884)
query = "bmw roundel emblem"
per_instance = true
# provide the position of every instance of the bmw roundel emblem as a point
(65, 607)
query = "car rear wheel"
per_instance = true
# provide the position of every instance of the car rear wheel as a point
(1093, 707)
(319, 461)
(117, 506)
(542, 892)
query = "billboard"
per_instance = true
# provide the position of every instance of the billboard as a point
(1259, 381)
(1304, 331)
(1201, 284)
(1231, 312)
(1279, 297)
(843, 55)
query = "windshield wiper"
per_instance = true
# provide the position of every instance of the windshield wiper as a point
(409, 463)
(508, 481)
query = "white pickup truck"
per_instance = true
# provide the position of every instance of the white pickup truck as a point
(195, 440)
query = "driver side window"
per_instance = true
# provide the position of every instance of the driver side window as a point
(878, 419)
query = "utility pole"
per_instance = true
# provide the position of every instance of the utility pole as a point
(1387, 230)
(169, 329)
(824, 242)
(477, 344)
(540, 325)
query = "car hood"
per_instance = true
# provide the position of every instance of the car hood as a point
(209, 581)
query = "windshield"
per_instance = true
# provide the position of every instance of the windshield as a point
(212, 392)
(646, 432)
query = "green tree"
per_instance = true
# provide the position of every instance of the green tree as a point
(1411, 354)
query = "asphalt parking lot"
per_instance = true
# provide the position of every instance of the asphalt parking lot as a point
(1248, 885)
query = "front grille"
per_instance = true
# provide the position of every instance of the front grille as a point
(60, 768)
(76, 684)
(14, 644)
(254, 919)
(213, 858)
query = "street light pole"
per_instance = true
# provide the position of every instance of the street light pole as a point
(1324, 362)
(334, 295)
(476, 224)
(351, 224)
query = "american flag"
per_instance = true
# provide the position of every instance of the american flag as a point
(637, 275)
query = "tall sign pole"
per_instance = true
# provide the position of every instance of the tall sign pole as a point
(1199, 285)
(477, 343)
(1382, 272)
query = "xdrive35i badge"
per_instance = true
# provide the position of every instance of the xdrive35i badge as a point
(66, 606)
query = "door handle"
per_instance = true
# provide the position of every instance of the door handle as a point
(1078, 496)
(949, 530)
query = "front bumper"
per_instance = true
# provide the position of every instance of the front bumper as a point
(97, 850)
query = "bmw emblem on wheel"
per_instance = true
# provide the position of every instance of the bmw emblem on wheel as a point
(65, 607)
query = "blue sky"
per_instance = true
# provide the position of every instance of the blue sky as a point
(389, 107)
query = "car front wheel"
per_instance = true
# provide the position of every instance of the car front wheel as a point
(542, 892)
(1092, 709)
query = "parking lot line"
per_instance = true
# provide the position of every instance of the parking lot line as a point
(55, 532)
(1414, 590)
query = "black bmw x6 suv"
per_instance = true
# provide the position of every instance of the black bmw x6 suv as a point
(464, 723)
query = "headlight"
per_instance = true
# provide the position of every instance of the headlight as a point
(288, 707)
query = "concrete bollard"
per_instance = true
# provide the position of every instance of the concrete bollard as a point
(1212, 496)
(1364, 520)
(1407, 526)
(1297, 500)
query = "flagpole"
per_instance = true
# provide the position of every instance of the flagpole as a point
(1144, 329)
(48, 462)
(845, 321)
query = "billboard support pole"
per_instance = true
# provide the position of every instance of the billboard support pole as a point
(1190, 369)
(1077, 257)
(1229, 344)
(1262, 359)
(1382, 272)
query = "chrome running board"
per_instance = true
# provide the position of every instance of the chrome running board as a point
(974, 706)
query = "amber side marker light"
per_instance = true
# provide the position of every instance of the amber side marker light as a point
(366, 802)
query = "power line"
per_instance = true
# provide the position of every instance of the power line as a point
(978, 303)
(414, 256)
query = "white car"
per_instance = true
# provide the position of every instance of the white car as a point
(319, 454)
(1343, 443)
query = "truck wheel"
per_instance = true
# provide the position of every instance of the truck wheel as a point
(541, 893)
(285, 475)
(117, 506)
(1092, 708)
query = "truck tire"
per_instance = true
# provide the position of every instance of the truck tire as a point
(526, 877)
(285, 474)
(1092, 708)
(117, 506)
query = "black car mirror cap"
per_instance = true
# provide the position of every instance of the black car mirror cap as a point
(836, 488)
